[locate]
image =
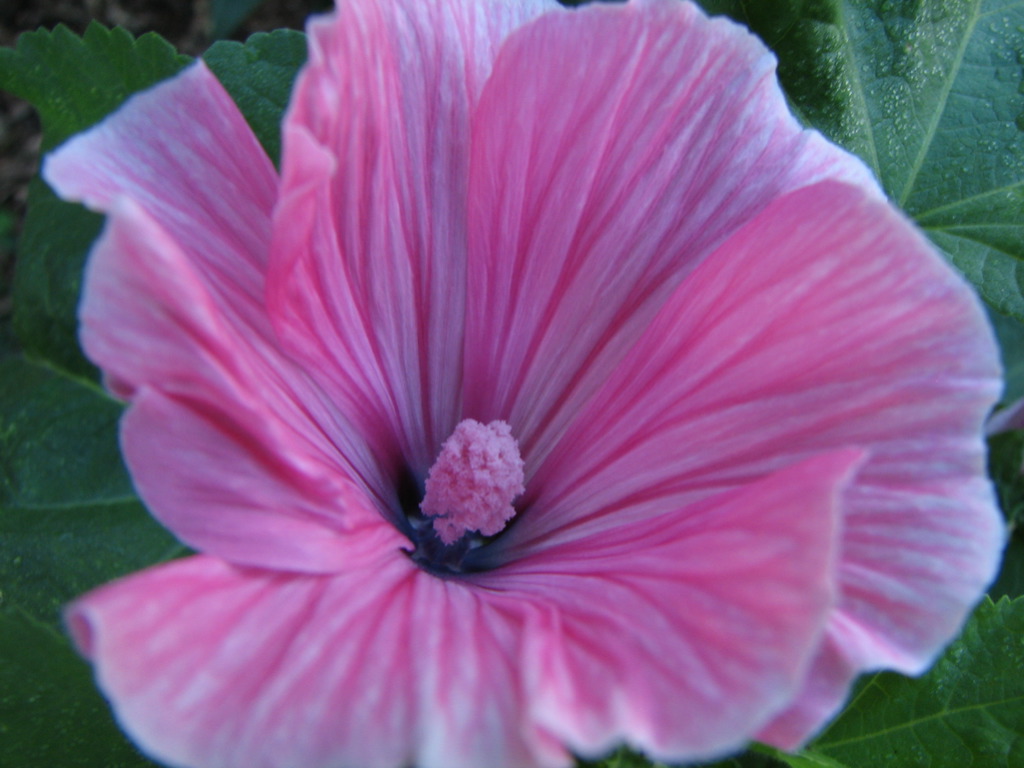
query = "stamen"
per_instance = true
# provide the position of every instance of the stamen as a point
(474, 481)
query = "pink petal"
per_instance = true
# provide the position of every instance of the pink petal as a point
(826, 322)
(825, 689)
(173, 301)
(822, 695)
(613, 149)
(382, 664)
(189, 192)
(368, 272)
(226, 443)
(915, 561)
(682, 634)
(235, 489)
(209, 665)
(184, 153)
(181, 264)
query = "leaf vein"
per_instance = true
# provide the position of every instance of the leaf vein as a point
(918, 721)
(970, 199)
(857, 88)
(940, 108)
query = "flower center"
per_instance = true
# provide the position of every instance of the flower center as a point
(471, 486)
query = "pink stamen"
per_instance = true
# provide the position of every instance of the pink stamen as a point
(471, 486)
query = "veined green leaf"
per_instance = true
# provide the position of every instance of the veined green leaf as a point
(259, 77)
(929, 94)
(75, 82)
(967, 712)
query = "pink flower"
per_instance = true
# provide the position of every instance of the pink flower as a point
(711, 410)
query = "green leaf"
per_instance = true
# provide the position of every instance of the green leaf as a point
(621, 758)
(929, 93)
(1011, 574)
(627, 758)
(259, 77)
(51, 715)
(781, 759)
(967, 712)
(758, 757)
(1005, 461)
(8, 226)
(51, 555)
(58, 440)
(228, 14)
(69, 519)
(75, 82)
(1010, 333)
(8, 344)
(48, 279)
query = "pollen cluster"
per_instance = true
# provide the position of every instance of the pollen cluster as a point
(474, 481)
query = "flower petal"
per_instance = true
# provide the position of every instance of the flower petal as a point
(215, 425)
(405, 668)
(183, 152)
(828, 321)
(715, 610)
(824, 691)
(234, 489)
(173, 301)
(368, 272)
(613, 149)
(209, 665)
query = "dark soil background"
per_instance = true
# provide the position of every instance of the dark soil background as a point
(185, 23)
